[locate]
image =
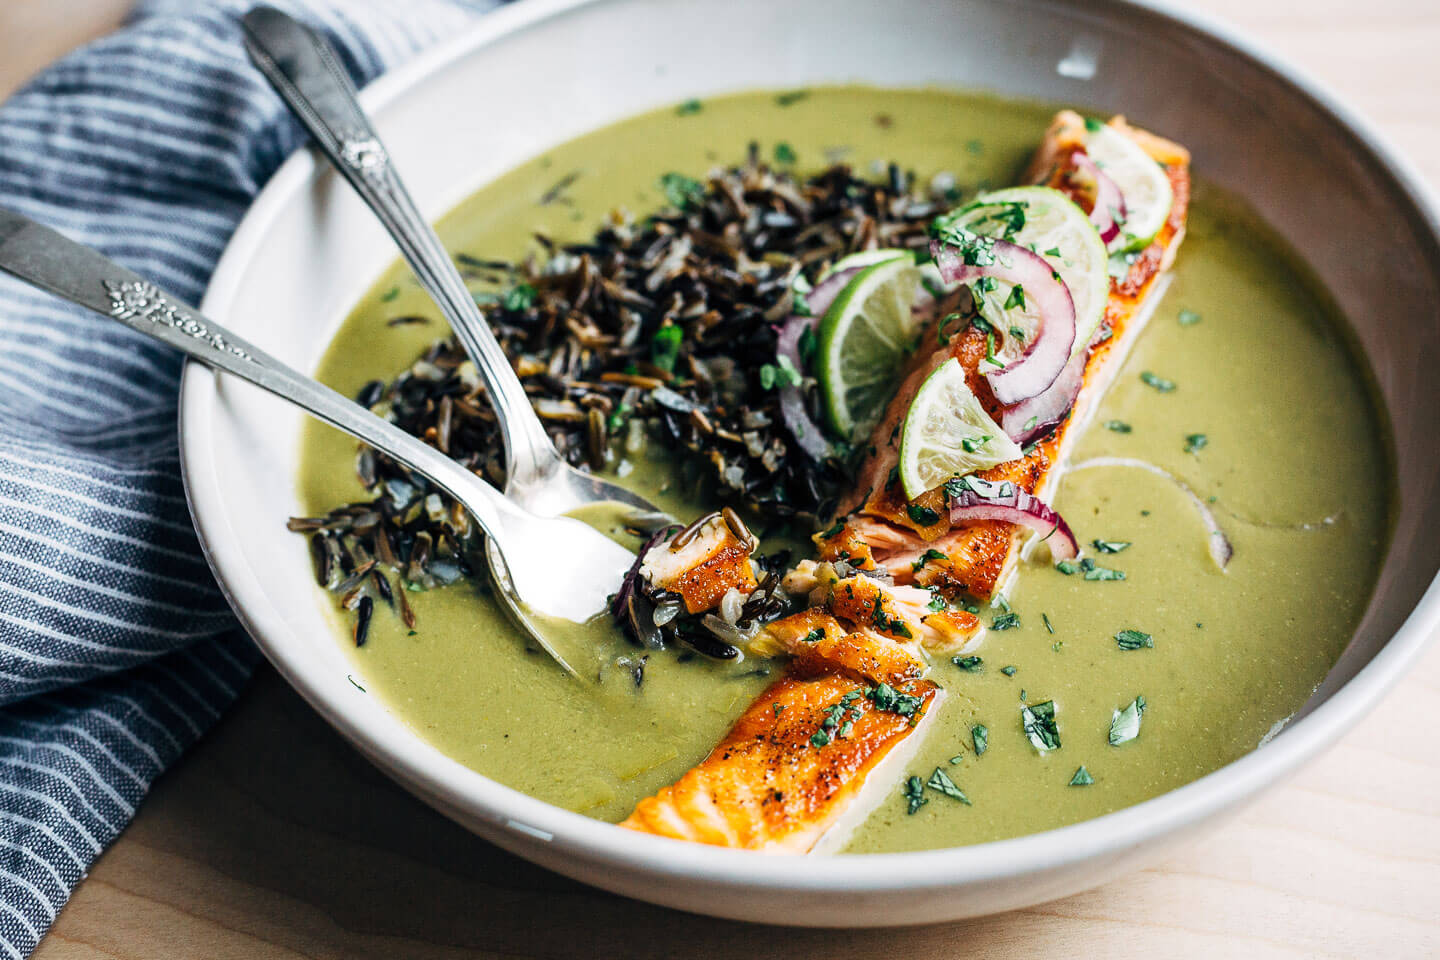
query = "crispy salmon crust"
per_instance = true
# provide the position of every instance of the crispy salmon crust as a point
(978, 555)
(768, 786)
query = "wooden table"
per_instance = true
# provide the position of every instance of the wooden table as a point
(275, 839)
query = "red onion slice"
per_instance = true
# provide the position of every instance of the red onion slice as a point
(983, 500)
(792, 403)
(1029, 419)
(1219, 544)
(827, 290)
(1049, 348)
(1109, 210)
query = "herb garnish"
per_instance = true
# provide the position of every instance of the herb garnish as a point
(922, 515)
(1133, 640)
(791, 97)
(1125, 724)
(1066, 567)
(914, 793)
(940, 781)
(784, 154)
(682, 192)
(1158, 382)
(1110, 546)
(887, 698)
(1009, 670)
(390, 294)
(1046, 618)
(689, 108)
(926, 557)
(1095, 572)
(980, 738)
(779, 708)
(1081, 777)
(1195, 442)
(780, 373)
(1188, 318)
(972, 444)
(665, 347)
(1119, 426)
(1040, 727)
(816, 635)
(1016, 298)
(968, 664)
(1005, 621)
(520, 297)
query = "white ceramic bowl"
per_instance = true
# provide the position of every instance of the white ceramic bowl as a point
(543, 71)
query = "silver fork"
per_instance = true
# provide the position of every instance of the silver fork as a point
(554, 566)
(307, 74)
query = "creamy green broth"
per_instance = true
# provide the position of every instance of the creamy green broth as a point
(1295, 468)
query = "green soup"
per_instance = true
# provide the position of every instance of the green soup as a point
(1294, 466)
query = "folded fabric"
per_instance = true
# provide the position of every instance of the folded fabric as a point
(117, 650)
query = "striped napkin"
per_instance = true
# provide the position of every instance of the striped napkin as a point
(117, 650)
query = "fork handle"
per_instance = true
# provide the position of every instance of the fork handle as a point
(73, 272)
(306, 72)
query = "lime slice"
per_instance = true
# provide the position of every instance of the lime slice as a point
(866, 258)
(1049, 223)
(865, 338)
(1142, 181)
(947, 433)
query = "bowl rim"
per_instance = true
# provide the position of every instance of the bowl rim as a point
(454, 787)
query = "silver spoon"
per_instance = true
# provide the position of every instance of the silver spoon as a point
(554, 566)
(306, 72)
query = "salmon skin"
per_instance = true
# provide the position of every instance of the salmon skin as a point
(806, 761)
(975, 558)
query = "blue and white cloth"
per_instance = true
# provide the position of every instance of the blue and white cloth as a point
(117, 650)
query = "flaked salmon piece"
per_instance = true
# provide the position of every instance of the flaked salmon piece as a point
(901, 612)
(976, 558)
(818, 643)
(703, 567)
(794, 765)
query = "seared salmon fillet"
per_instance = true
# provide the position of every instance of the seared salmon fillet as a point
(976, 557)
(793, 765)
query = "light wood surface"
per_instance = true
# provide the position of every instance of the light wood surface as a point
(274, 839)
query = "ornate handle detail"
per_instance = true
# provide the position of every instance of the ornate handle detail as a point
(142, 300)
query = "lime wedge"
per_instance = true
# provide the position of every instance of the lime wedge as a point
(865, 338)
(947, 433)
(1049, 223)
(1141, 180)
(866, 258)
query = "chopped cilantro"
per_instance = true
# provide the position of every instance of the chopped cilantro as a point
(1119, 426)
(521, 297)
(937, 604)
(689, 108)
(941, 335)
(972, 444)
(914, 793)
(682, 192)
(1016, 298)
(1110, 546)
(922, 515)
(926, 557)
(820, 738)
(1081, 777)
(1040, 727)
(980, 738)
(816, 635)
(1066, 567)
(1053, 252)
(1009, 671)
(781, 373)
(940, 781)
(1133, 640)
(1046, 618)
(1093, 125)
(1125, 724)
(1016, 332)
(1005, 621)
(968, 664)
(390, 294)
(834, 531)
(1095, 572)
(1188, 318)
(665, 347)
(354, 684)
(1158, 382)
(886, 697)
(779, 708)
(791, 97)
(1195, 442)
(958, 758)
(784, 153)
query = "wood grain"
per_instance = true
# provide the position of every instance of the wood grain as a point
(275, 840)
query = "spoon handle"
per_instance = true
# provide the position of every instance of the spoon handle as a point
(45, 259)
(305, 71)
